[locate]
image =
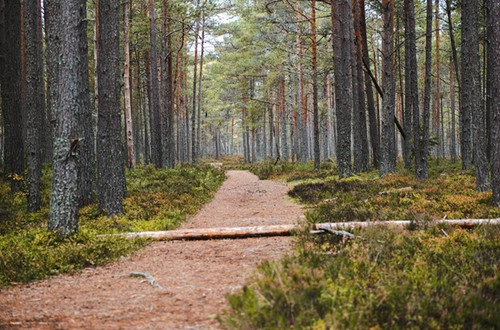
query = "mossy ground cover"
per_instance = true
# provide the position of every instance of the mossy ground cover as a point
(156, 200)
(419, 277)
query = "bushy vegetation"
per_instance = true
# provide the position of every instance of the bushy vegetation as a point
(436, 278)
(156, 200)
(425, 277)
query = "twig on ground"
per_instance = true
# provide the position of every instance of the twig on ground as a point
(147, 276)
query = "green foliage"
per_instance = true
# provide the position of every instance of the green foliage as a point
(384, 279)
(157, 200)
(425, 277)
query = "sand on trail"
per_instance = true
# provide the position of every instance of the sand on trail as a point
(196, 276)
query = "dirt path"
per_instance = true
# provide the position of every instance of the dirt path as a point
(196, 276)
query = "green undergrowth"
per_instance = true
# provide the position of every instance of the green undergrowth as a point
(418, 277)
(384, 279)
(156, 200)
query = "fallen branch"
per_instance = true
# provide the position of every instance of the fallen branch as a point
(286, 230)
(147, 276)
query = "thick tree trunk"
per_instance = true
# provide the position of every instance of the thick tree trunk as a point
(11, 94)
(341, 17)
(127, 89)
(66, 17)
(35, 99)
(388, 143)
(494, 68)
(111, 173)
(410, 94)
(472, 105)
(438, 118)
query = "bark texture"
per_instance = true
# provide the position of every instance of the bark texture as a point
(10, 71)
(154, 106)
(111, 172)
(494, 68)
(388, 137)
(341, 17)
(472, 104)
(35, 99)
(63, 216)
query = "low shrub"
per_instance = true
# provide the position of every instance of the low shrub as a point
(156, 200)
(436, 278)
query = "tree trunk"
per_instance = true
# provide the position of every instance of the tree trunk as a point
(361, 153)
(453, 146)
(438, 117)
(341, 17)
(198, 123)
(194, 145)
(370, 101)
(494, 69)
(11, 94)
(472, 105)
(87, 171)
(35, 99)
(317, 158)
(127, 89)
(155, 113)
(167, 89)
(388, 143)
(66, 17)
(423, 166)
(111, 173)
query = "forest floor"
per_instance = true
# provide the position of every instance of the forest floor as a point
(195, 276)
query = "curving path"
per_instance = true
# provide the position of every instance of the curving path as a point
(195, 275)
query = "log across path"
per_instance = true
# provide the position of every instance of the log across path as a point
(175, 284)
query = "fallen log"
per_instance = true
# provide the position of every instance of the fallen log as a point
(286, 230)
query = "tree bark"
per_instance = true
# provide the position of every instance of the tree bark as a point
(494, 68)
(35, 99)
(317, 159)
(472, 105)
(361, 152)
(155, 113)
(341, 17)
(11, 94)
(87, 159)
(66, 17)
(287, 230)
(194, 145)
(127, 89)
(370, 101)
(388, 143)
(198, 123)
(111, 173)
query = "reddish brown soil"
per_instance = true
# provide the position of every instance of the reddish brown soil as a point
(195, 275)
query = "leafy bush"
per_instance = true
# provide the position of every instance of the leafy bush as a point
(156, 200)
(383, 279)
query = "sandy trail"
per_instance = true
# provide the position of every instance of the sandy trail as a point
(196, 275)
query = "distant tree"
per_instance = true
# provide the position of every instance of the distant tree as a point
(154, 106)
(472, 103)
(111, 173)
(315, 86)
(66, 17)
(35, 99)
(494, 69)
(370, 101)
(10, 71)
(127, 86)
